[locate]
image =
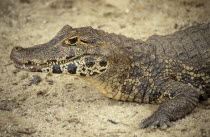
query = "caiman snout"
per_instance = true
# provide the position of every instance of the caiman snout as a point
(16, 55)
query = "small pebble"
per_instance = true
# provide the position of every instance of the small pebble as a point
(35, 80)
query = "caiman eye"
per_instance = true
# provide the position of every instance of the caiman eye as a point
(71, 41)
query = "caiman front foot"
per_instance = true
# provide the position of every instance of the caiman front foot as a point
(157, 120)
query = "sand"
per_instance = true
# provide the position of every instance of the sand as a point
(67, 106)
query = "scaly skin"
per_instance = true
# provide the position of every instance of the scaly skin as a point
(173, 70)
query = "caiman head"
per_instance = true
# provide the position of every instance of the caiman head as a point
(81, 51)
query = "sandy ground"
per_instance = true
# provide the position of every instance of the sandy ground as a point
(65, 105)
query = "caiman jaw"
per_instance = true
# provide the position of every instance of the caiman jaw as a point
(83, 65)
(38, 66)
(47, 63)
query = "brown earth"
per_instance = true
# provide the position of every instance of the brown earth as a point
(65, 105)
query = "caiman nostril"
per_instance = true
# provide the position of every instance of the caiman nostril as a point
(18, 48)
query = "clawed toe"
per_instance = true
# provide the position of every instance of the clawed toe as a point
(156, 121)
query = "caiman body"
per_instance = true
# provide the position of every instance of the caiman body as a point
(173, 70)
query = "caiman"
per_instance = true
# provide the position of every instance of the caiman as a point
(173, 70)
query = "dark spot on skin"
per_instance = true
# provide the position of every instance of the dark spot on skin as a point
(29, 63)
(90, 64)
(198, 81)
(39, 70)
(82, 74)
(173, 77)
(56, 69)
(103, 63)
(94, 73)
(102, 70)
(83, 69)
(48, 70)
(154, 96)
(72, 68)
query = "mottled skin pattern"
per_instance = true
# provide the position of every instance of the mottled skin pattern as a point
(173, 70)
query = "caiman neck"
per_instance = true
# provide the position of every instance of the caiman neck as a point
(127, 80)
(109, 81)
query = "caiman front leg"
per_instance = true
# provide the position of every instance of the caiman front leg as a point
(184, 99)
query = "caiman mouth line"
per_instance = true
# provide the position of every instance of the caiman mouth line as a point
(82, 65)
(48, 63)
